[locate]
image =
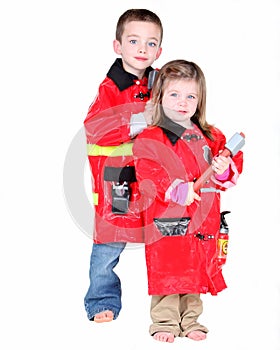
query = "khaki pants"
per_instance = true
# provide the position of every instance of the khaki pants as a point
(176, 313)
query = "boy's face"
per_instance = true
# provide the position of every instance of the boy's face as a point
(139, 47)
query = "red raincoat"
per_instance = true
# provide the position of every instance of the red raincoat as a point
(181, 241)
(109, 145)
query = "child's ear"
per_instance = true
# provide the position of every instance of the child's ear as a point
(159, 53)
(117, 47)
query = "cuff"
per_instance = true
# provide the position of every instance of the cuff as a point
(224, 176)
(179, 194)
(137, 124)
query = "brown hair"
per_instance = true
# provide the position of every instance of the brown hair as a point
(181, 69)
(141, 15)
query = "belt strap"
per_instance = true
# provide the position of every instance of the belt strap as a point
(120, 174)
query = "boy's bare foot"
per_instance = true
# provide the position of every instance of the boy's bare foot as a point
(196, 335)
(164, 336)
(104, 316)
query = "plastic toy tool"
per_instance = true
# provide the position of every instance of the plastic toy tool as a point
(151, 78)
(236, 142)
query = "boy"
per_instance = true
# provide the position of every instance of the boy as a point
(113, 119)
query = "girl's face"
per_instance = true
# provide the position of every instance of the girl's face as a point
(139, 47)
(180, 100)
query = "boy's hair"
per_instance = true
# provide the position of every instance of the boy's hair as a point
(141, 15)
(181, 69)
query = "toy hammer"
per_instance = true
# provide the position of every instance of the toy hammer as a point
(236, 142)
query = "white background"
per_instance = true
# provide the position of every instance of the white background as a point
(53, 56)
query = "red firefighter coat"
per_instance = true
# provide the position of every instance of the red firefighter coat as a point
(109, 146)
(181, 241)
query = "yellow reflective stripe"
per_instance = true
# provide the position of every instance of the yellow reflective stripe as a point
(124, 149)
(95, 198)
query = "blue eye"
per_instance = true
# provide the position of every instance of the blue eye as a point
(174, 94)
(191, 97)
(152, 44)
(133, 41)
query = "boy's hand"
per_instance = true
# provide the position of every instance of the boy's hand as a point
(148, 112)
(191, 195)
(220, 164)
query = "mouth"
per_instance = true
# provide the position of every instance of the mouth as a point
(142, 59)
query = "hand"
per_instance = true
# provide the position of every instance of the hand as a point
(192, 196)
(148, 112)
(220, 164)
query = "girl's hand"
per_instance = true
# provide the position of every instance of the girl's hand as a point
(220, 164)
(192, 196)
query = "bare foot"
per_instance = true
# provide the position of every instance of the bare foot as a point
(164, 336)
(104, 316)
(196, 335)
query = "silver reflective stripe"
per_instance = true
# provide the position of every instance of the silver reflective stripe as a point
(210, 189)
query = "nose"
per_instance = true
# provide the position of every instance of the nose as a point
(142, 48)
(183, 101)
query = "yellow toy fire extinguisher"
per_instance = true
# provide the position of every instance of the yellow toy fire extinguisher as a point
(223, 239)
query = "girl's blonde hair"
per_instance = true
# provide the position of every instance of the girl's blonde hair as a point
(181, 69)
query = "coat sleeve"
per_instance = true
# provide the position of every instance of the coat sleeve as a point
(107, 124)
(236, 165)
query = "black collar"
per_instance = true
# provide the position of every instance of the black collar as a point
(122, 78)
(171, 129)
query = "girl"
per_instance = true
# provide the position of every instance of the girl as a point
(181, 226)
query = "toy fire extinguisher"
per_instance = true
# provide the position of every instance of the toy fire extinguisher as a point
(223, 239)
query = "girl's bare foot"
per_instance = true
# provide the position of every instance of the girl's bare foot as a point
(104, 316)
(164, 336)
(196, 335)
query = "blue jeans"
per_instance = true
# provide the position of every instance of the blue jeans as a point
(104, 292)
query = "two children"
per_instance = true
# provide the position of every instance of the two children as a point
(181, 226)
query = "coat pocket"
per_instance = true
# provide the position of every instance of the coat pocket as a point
(172, 226)
(120, 179)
